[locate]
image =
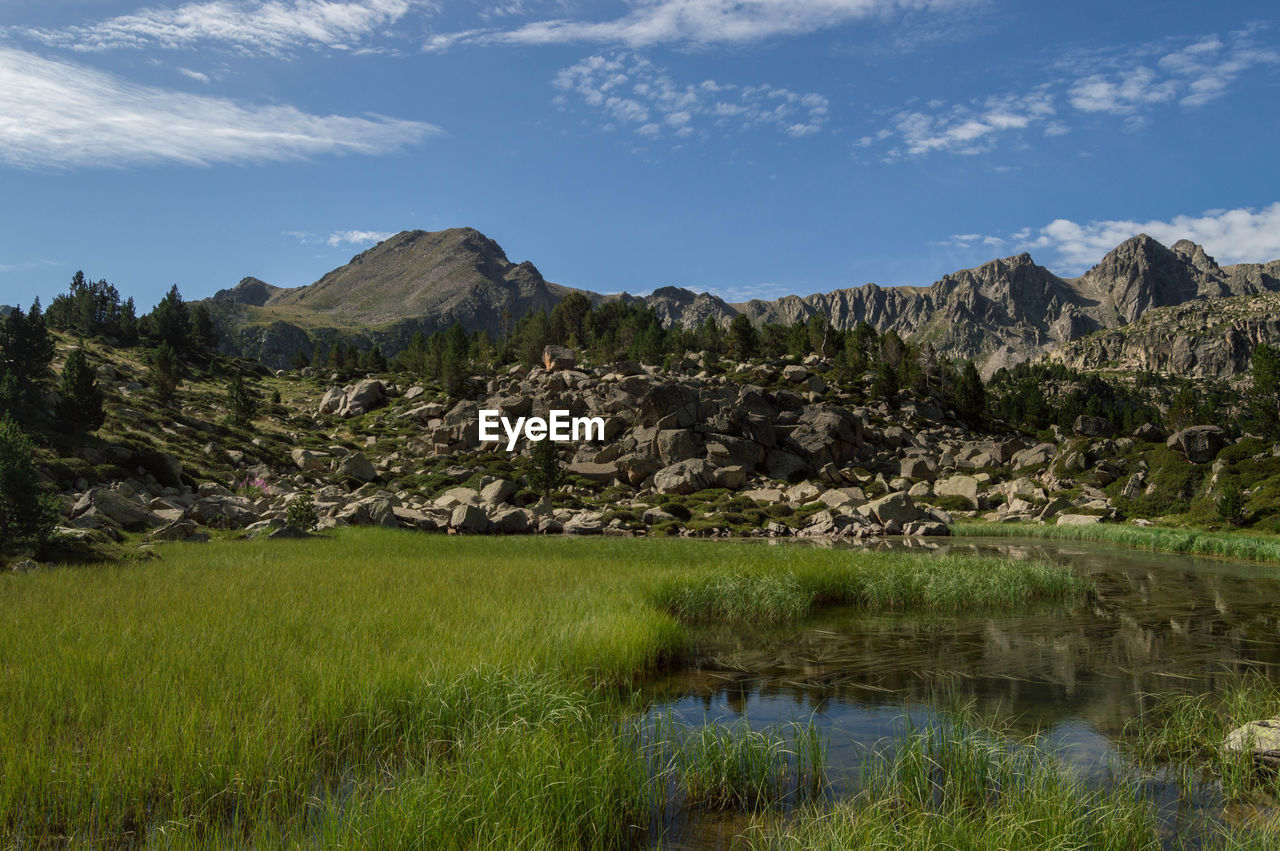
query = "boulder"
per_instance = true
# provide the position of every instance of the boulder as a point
(116, 510)
(469, 518)
(731, 477)
(454, 497)
(894, 511)
(1149, 433)
(306, 459)
(512, 521)
(1087, 426)
(179, 530)
(223, 512)
(1201, 444)
(1033, 456)
(685, 477)
(674, 445)
(918, 467)
(332, 400)
(356, 466)
(600, 473)
(1261, 739)
(1078, 519)
(584, 523)
(556, 358)
(926, 528)
(363, 397)
(785, 466)
(961, 486)
(498, 491)
(794, 373)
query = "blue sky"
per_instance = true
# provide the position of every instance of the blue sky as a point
(752, 149)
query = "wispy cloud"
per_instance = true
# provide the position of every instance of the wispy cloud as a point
(338, 238)
(1192, 76)
(273, 27)
(631, 92)
(970, 128)
(57, 114)
(28, 266)
(356, 237)
(1242, 235)
(698, 22)
(1133, 81)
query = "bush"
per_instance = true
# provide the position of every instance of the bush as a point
(1231, 503)
(301, 513)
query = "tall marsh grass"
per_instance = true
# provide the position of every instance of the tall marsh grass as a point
(1155, 538)
(949, 784)
(787, 587)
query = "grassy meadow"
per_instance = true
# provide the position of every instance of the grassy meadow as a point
(387, 689)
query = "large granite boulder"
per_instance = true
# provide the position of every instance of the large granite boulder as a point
(1201, 444)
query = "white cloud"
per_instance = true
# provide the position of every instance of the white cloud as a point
(194, 75)
(971, 128)
(1243, 235)
(357, 237)
(1126, 83)
(1193, 75)
(272, 27)
(652, 22)
(57, 114)
(632, 92)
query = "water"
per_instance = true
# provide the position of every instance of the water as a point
(1159, 623)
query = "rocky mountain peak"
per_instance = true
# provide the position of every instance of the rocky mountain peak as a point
(251, 291)
(1140, 274)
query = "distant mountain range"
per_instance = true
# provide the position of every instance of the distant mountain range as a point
(1000, 313)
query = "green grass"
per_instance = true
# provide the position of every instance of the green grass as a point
(1186, 731)
(779, 584)
(375, 688)
(950, 784)
(1238, 546)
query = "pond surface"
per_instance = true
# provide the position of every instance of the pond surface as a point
(1159, 623)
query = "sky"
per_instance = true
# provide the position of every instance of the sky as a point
(751, 149)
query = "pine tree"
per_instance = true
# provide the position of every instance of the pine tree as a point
(170, 320)
(26, 351)
(80, 398)
(27, 516)
(1264, 398)
(970, 393)
(742, 337)
(242, 402)
(545, 472)
(202, 334)
(164, 373)
(299, 361)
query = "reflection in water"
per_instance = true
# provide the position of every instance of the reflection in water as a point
(1158, 623)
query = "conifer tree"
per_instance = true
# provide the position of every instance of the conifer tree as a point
(80, 397)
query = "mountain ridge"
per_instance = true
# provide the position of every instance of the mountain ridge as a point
(998, 313)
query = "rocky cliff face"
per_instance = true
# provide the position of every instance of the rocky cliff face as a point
(1209, 337)
(998, 314)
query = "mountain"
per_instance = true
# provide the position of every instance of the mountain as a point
(999, 313)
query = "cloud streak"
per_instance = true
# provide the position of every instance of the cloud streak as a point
(271, 27)
(698, 22)
(356, 237)
(57, 114)
(631, 92)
